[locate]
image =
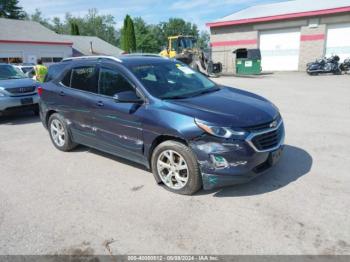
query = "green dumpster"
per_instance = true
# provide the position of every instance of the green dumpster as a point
(248, 61)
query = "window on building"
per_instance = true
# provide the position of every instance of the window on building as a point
(84, 78)
(51, 59)
(111, 82)
(11, 60)
(57, 59)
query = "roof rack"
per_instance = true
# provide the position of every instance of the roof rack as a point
(92, 57)
(144, 54)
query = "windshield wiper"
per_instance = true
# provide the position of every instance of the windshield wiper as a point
(205, 92)
(175, 97)
(193, 94)
(15, 77)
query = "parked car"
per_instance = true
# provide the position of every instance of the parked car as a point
(25, 68)
(158, 112)
(17, 91)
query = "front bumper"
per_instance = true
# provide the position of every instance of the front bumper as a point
(12, 102)
(242, 161)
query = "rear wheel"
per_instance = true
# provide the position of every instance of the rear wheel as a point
(338, 71)
(176, 166)
(59, 133)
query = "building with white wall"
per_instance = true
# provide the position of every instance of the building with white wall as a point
(26, 41)
(290, 34)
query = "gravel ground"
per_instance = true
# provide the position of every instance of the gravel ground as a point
(86, 201)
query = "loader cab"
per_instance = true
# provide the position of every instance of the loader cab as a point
(177, 44)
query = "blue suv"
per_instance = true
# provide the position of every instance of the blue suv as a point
(190, 131)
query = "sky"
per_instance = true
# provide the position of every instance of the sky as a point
(152, 11)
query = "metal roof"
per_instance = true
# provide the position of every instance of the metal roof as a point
(82, 44)
(24, 31)
(279, 10)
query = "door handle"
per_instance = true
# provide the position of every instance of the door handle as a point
(99, 103)
(62, 93)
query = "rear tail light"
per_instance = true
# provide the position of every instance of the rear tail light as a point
(40, 90)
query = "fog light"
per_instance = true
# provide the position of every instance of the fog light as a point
(219, 161)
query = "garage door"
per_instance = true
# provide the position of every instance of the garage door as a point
(280, 50)
(338, 40)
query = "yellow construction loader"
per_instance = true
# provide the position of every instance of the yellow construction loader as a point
(183, 48)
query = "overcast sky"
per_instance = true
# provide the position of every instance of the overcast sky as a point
(152, 11)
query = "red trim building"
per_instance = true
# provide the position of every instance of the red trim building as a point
(27, 41)
(289, 34)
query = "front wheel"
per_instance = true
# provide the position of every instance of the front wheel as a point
(176, 166)
(36, 110)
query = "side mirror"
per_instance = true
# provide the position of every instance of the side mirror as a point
(127, 97)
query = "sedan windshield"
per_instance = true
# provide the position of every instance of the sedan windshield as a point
(173, 80)
(10, 72)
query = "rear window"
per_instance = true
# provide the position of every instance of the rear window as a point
(55, 71)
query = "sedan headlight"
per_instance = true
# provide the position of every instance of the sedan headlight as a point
(224, 132)
(1, 91)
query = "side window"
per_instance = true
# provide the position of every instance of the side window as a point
(111, 82)
(84, 78)
(54, 72)
(66, 79)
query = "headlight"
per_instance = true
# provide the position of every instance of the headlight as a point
(1, 93)
(224, 132)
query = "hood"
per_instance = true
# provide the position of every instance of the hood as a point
(227, 107)
(13, 83)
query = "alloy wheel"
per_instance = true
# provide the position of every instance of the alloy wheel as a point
(172, 169)
(57, 132)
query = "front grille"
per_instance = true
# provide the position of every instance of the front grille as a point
(263, 126)
(268, 140)
(21, 90)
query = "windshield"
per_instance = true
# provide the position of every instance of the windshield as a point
(27, 69)
(186, 42)
(10, 72)
(173, 80)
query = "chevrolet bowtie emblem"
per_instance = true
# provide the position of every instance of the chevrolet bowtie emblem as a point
(273, 124)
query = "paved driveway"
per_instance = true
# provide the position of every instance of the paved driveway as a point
(54, 202)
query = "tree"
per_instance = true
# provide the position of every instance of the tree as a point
(203, 40)
(147, 37)
(10, 9)
(151, 38)
(38, 17)
(74, 29)
(178, 26)
(128, 35)
(58, 26)
(91, 24)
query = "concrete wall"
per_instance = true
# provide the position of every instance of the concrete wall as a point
(311, 49)
(224, 54)
(312, 45)
(29, 51)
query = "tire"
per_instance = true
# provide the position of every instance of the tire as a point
(194, 178)
(58, 121)
(36, 110)
(338, 72)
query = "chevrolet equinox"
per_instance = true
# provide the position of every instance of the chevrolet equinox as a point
(190, 131)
